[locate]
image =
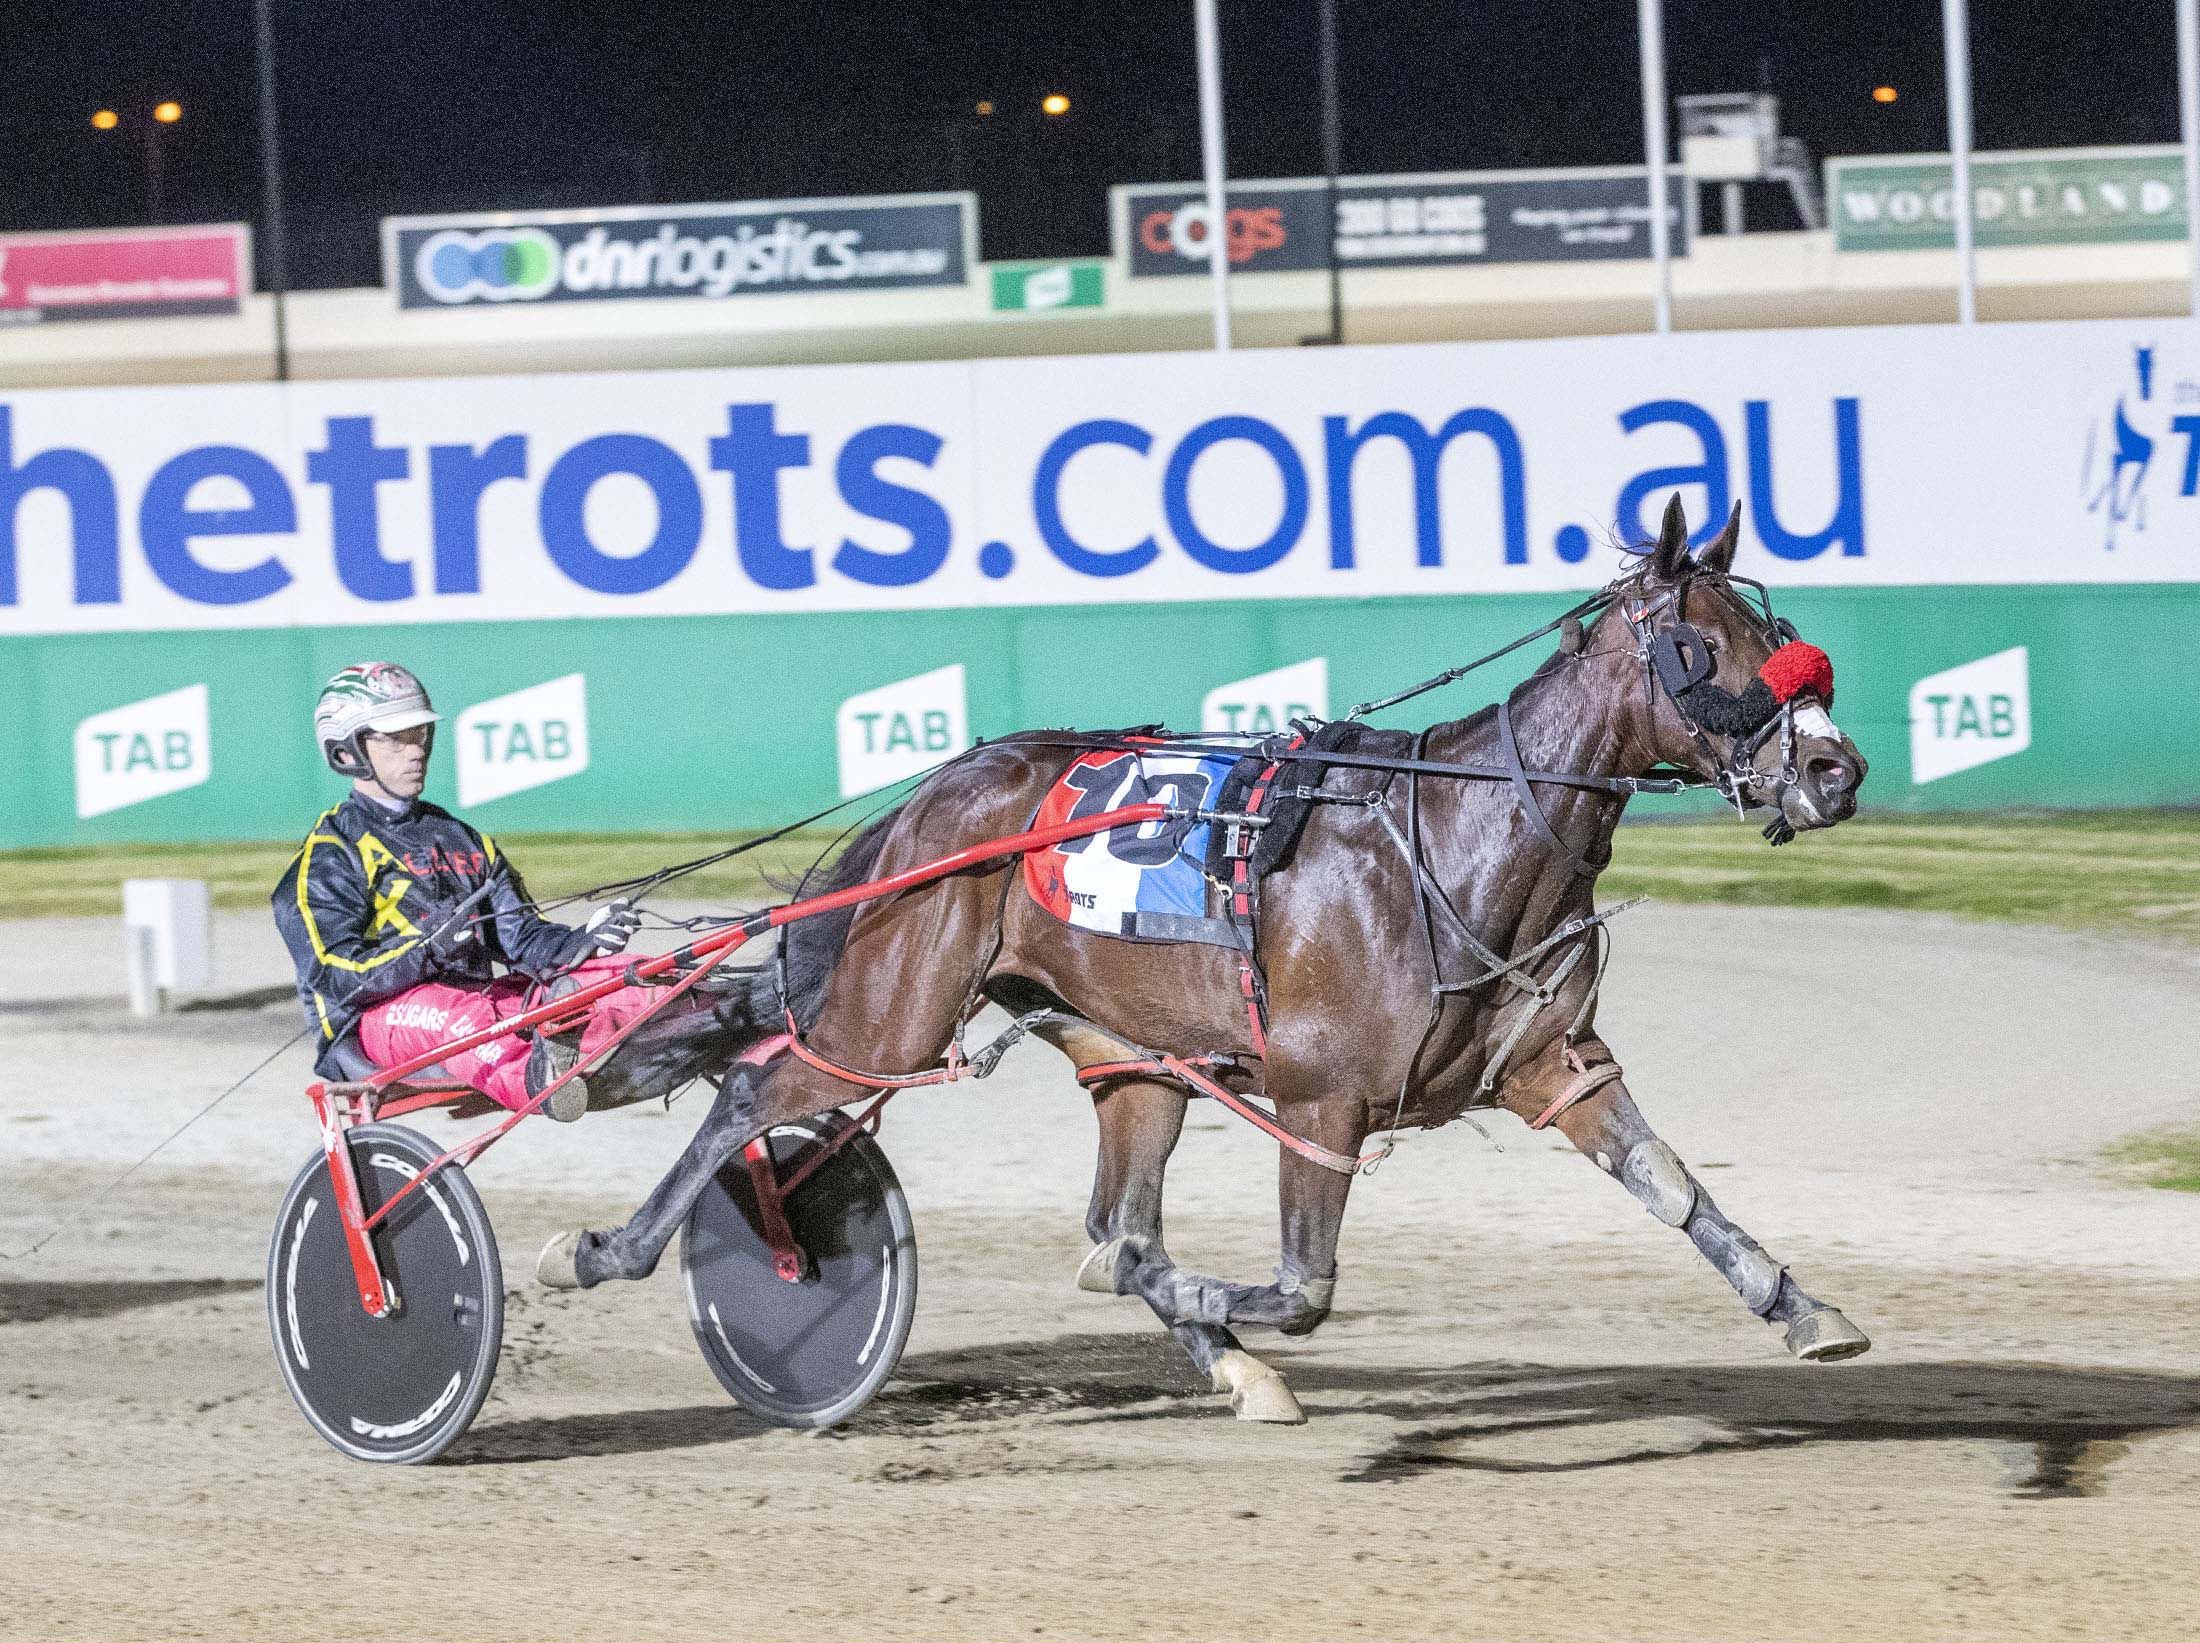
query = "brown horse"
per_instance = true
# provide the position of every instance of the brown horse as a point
(1408, 949)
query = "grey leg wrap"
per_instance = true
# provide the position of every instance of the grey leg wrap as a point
(1653, 1172)
(1741, 1260)
(1197, 1300)
(1319, 1292)
(1179, 1297)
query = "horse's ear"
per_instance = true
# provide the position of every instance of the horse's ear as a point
(1719, 556)
(1672, 548)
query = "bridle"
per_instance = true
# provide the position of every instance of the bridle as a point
(1677, 659)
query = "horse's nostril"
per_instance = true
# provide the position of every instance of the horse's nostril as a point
(1832, 775)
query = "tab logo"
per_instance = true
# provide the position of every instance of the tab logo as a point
(1970, 715)
(142, 750)
(1269, 701)
(511, 743)
(900, 729)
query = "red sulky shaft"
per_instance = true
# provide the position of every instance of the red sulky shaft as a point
(1015, 844)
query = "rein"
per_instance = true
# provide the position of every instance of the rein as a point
(1277, 746)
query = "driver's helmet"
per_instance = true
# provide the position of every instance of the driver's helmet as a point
(367, 696)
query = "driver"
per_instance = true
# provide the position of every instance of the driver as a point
(397, 915)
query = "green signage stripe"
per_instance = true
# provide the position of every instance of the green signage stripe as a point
(761, 741)
(1040, 286)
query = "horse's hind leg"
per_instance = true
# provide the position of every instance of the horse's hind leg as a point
(1611, 1130)
(1140, 1122)
(750, 1101)
(896, 997)
(1313, 1202)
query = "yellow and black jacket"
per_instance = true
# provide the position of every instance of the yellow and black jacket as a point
(368, 888)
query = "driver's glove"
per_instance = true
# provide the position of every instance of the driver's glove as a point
(610, 927)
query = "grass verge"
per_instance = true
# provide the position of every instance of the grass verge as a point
(2164, 1158)
(2108, 872)
(2113, 872)
(88, 880)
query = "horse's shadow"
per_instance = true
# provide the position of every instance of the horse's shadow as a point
(932, 1392)
(2067, 1425)
(626, 1432)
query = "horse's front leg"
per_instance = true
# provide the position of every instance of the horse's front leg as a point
(1609, 1128)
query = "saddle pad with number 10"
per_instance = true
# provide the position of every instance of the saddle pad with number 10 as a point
(1142, 883)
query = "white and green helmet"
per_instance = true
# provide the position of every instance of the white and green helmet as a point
(367, 696)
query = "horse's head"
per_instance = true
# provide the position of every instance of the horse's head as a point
(1735, 695)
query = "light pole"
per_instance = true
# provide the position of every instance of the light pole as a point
(1208, 32)
(271, 184)
(1332, 146)
(164, 114)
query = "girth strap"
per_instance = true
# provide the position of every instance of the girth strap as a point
(1522, 790)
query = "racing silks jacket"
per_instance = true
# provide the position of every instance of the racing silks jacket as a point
(368, 888)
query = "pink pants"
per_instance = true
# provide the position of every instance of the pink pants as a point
(427, 1017)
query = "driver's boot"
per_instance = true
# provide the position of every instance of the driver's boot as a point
(552, 1056)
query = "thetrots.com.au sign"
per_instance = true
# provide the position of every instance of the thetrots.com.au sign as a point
(856, 244)
(789, 585)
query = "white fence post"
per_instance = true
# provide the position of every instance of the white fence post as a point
(167, 931)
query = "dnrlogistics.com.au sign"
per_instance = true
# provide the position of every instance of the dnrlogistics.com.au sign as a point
(681, 250)
(2011, 454)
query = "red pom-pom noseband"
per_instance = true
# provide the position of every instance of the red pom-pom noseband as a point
(1796, 667)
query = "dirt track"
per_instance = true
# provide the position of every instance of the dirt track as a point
(1536, 1414)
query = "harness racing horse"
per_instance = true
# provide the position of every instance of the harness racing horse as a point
(1432, 946)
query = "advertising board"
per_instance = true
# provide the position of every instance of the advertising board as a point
(719, 598)
(518, 258)
(1451, 217)
(2072, 196)
(124, 273)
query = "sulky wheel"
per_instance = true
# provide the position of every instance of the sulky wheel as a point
(808, 1353)
(401, 1388)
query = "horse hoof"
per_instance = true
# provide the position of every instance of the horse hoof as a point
(1825, 1336)
(1097, 1273)
(557, 1267)
(1257, 1392)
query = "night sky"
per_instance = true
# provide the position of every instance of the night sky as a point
(392, 107)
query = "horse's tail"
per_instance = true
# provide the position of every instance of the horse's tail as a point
(809, 948)
(747, 1006)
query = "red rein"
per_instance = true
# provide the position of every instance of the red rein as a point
(1795, 668)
